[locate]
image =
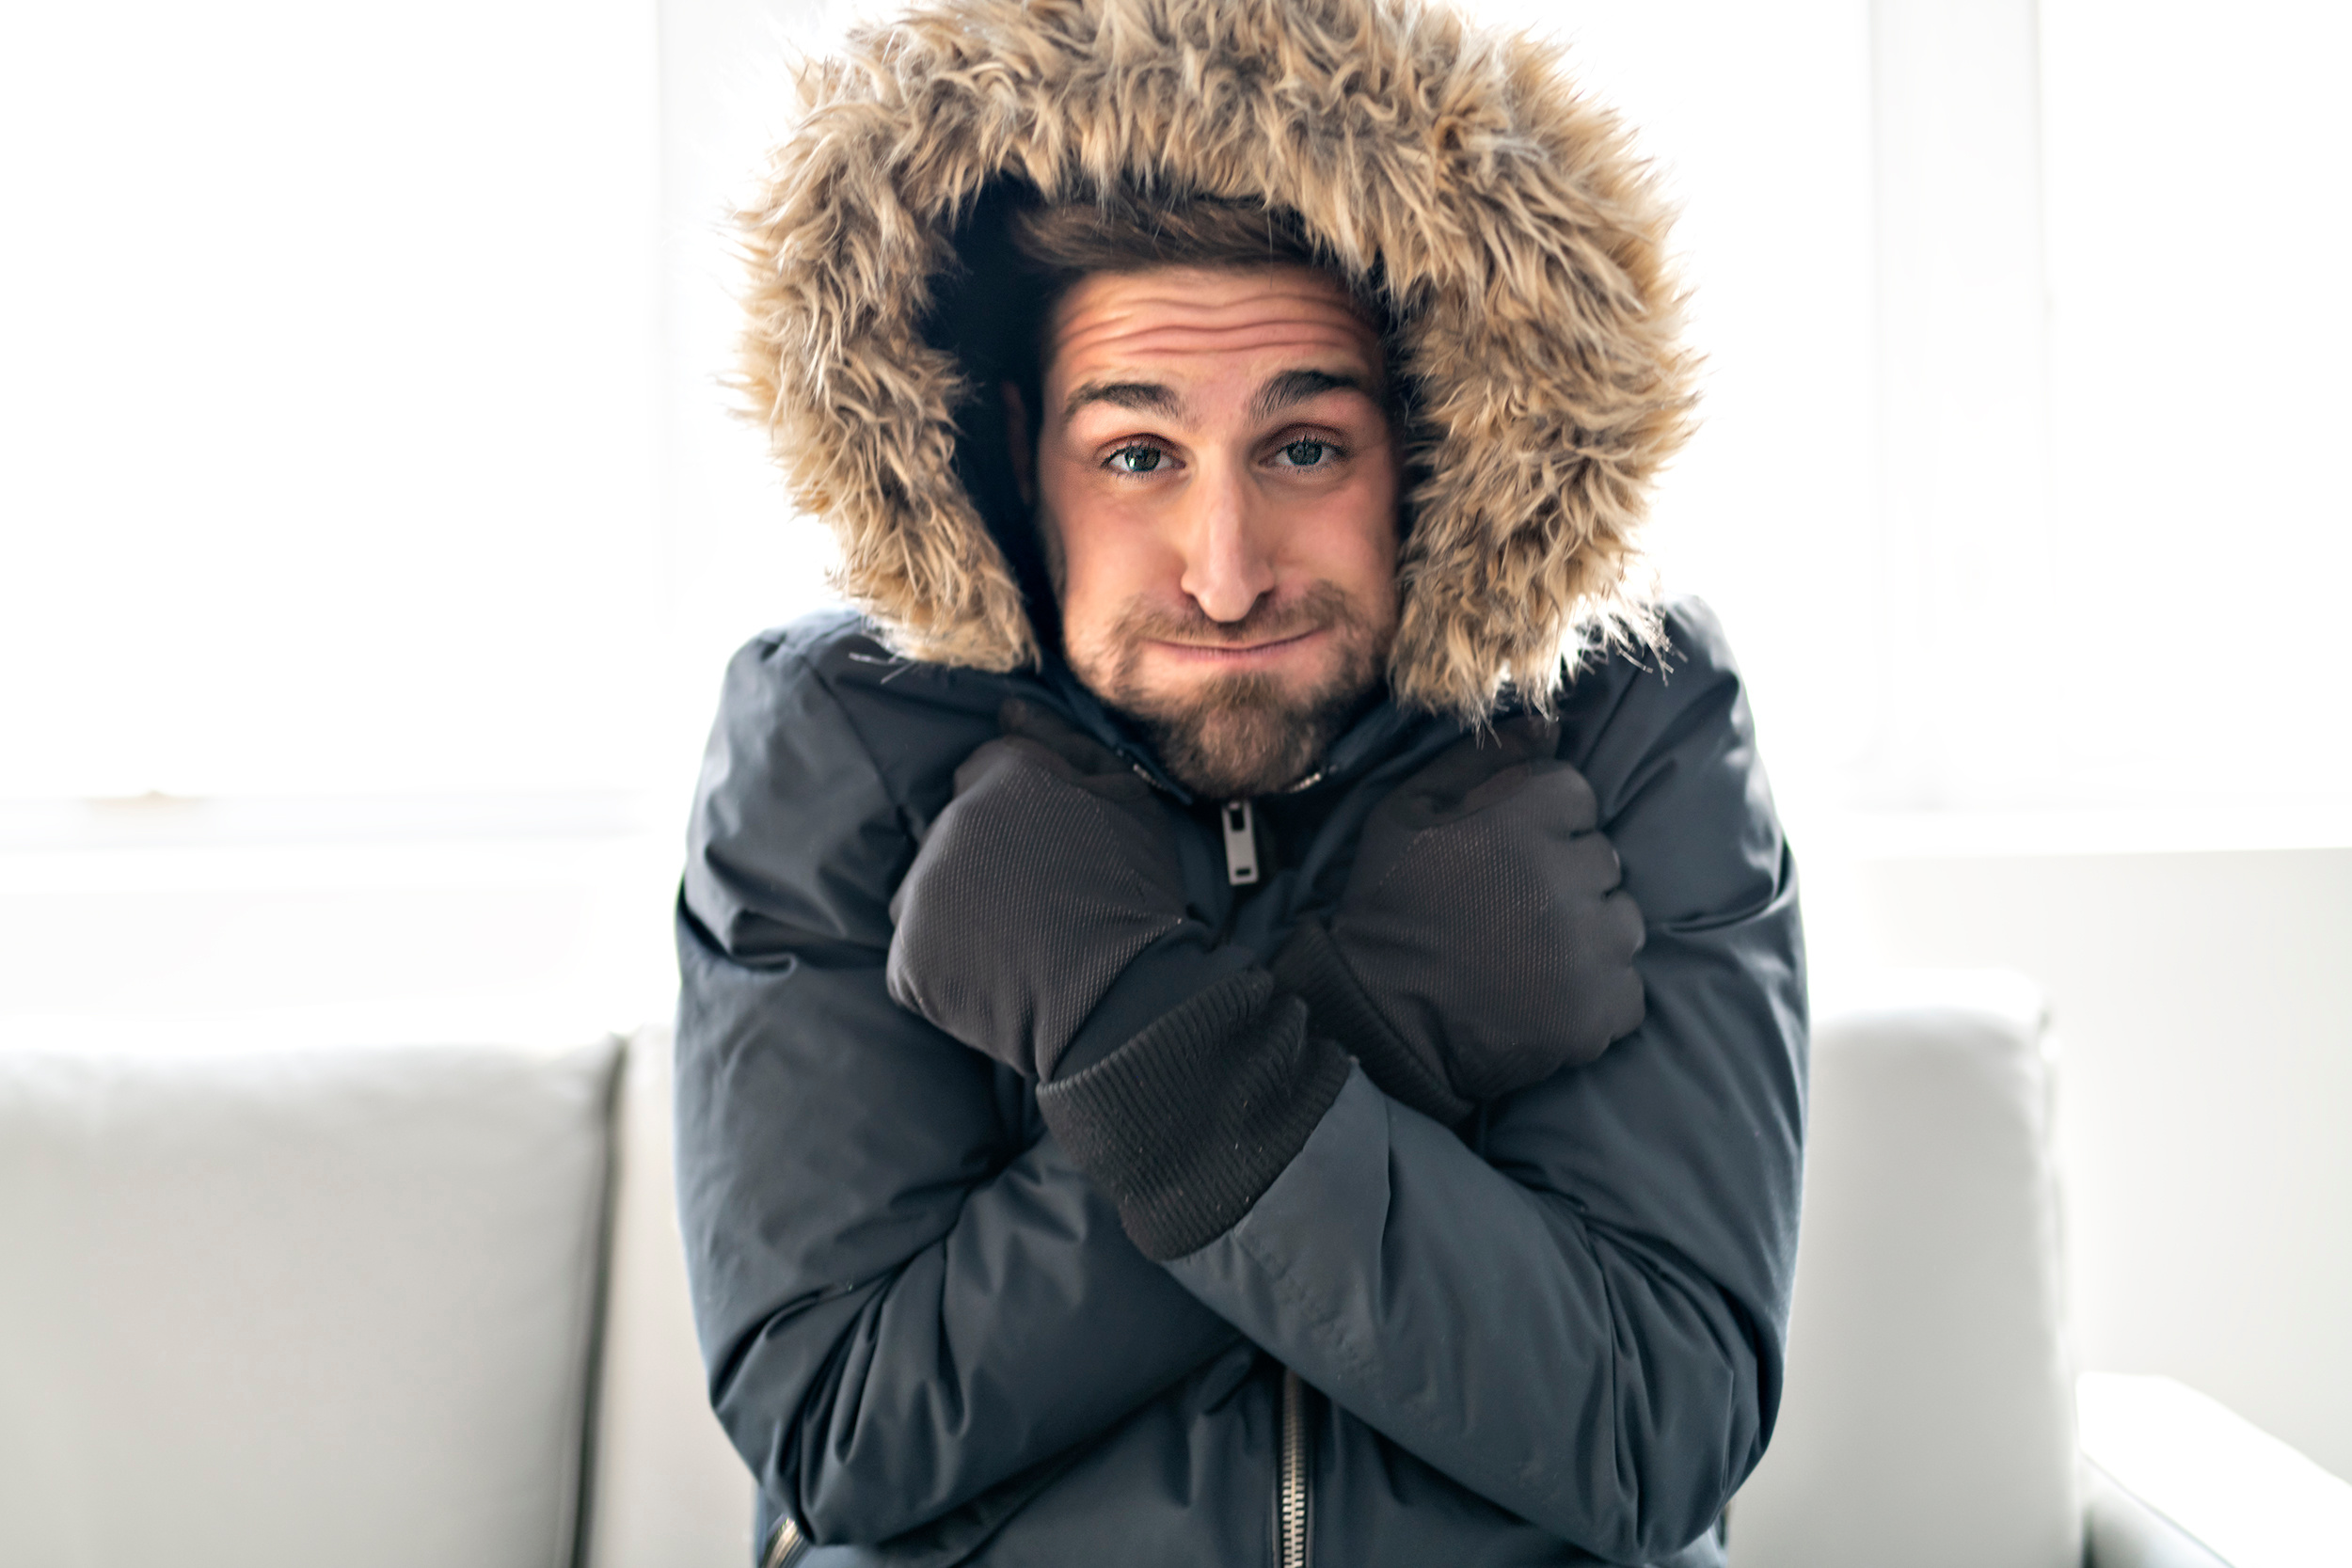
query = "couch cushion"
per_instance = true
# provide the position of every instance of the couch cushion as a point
(1927, 1419)
(281, 1308)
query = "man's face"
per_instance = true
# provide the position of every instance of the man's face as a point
(1216, 485)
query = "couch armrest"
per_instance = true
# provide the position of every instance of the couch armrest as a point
(2121, 1531)
(1928, 1418)
(2175, 1479)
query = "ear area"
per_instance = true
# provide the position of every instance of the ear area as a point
(1020, 441)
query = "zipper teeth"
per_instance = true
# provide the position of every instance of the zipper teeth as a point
(786, 1546)
(1291, 1505)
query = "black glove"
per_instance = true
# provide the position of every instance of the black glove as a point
(1043, 923)
(1049, 871)
(1481, 942)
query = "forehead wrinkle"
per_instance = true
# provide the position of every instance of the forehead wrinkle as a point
(1209, 294)
(1274, 333)
(1183, 311)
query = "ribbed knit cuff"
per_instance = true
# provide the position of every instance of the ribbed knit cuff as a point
(1311, 967)
(1186, 1125)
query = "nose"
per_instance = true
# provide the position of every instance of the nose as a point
(1228, 567)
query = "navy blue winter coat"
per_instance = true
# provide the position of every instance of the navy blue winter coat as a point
(1554, 1336)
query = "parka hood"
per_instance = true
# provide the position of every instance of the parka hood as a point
(1451, 173)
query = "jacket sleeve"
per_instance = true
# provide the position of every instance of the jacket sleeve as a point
(1578, 1312)
(905, 1294)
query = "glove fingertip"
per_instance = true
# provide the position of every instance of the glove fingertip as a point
(1630, 1009)
(899, 982)
(1631, 928)
(1569, 795)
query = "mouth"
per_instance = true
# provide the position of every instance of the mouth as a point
(1228, 656)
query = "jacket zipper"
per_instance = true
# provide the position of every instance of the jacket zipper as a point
(1241, 843)
(786, 1546)
(1290, 1485)
(1289, 1478)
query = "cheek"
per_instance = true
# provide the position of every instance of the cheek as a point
(1356, 542)
(1099, 567)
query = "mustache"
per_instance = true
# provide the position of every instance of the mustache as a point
(1315, 609)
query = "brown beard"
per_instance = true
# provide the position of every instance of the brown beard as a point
(1233, 737)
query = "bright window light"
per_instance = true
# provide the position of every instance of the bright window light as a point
(328, 406)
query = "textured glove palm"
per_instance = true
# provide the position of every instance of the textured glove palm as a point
(1050, 870)
(1482, 942)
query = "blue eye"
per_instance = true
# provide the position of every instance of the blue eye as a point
(1306, 455)
(1136, 460)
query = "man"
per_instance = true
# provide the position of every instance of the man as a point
(1169, 1072)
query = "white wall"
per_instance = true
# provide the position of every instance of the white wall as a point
(326, 404)
(2202, 1003)
(411, 936)
(738, 560)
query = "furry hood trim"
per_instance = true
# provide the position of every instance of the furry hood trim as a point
(1454, 173)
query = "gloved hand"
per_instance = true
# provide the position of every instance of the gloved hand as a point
(1048, 908)
(1482, 941)
(1050, 870)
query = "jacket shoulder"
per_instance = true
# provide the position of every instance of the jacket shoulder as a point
(793, 834)
(829, 758)
(1644, 693)
(1668, 742)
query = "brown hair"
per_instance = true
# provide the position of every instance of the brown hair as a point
(1126, 234)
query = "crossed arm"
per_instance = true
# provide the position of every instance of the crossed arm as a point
(906, 1295)
(909, 1294)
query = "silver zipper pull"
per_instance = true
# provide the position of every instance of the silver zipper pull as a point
(1241, 843)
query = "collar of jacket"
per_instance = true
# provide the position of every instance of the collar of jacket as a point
(1450, 170)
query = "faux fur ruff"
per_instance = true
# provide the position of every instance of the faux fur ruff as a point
(1517, 238)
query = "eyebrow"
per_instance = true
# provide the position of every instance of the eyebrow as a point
(1145, 397)
(1293, 387)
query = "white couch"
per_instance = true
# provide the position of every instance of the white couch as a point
(425, 1307)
